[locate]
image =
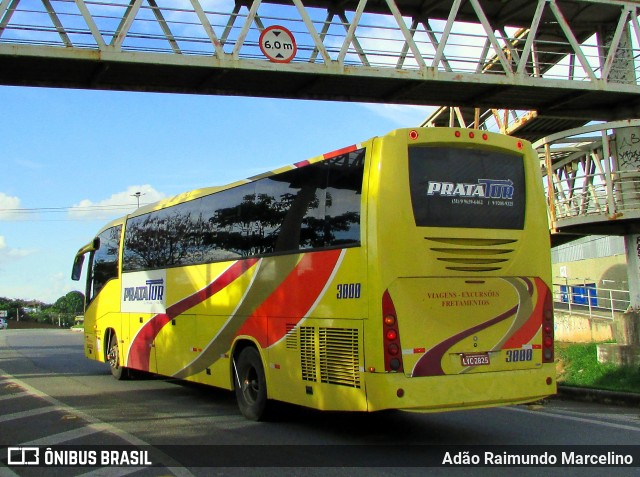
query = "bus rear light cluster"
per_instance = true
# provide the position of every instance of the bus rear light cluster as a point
(391, 335)
(547, 328)
(472, 135)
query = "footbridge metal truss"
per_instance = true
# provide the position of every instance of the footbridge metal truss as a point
(592, 179)
(561, 58)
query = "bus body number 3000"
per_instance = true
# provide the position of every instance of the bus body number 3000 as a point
(515, 355)
(348, 291)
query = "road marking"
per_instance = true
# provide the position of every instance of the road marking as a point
(577, 419)
(20, 394)
(30, 413)
(96, 425)
(55, 439)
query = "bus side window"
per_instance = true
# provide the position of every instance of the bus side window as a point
(104, 260)
(344, 194)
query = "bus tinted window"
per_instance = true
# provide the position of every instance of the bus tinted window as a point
(298, 206)
(456, 187)
(167, 237)
(308, 208)
(105, 260)
(230, 229)
(343, 199)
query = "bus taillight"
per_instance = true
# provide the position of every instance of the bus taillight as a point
(547, 329)
(391, 335)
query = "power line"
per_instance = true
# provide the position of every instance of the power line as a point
(73, 213)
(88, 208)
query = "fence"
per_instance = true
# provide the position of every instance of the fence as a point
(588, 299)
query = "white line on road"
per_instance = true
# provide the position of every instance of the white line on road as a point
(66, 436)
(17, 395)
(577, 419)
(30, 413)
(94, 423)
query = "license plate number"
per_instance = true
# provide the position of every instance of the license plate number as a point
(474, 359)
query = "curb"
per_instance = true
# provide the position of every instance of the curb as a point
(599, 396)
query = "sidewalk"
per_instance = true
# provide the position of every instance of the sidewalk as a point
(598, 395)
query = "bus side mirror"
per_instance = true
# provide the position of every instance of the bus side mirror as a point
(77, 267)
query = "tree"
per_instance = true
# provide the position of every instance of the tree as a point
(72, 303)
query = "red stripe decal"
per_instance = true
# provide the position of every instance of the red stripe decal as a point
(140, 350)
(339, 152)
(430, 364)
(529, 329)
(292, 299)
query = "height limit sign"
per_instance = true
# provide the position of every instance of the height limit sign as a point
(277, 44)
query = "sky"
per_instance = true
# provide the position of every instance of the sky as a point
(72, 160)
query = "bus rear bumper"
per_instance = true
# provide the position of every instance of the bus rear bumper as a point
(457, 392)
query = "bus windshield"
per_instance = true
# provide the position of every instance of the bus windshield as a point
(461, 187)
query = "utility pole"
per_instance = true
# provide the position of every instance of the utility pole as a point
(137, 195)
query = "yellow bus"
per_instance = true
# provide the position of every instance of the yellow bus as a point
(411, 271)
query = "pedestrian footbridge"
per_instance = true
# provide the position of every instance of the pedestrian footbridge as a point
(571, 59)
(592, 178)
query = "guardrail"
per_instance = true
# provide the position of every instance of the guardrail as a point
(587, 299)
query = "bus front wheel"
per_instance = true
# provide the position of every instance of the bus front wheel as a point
(250, 384)
(113, 358)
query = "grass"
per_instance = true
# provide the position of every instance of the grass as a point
(578, 366)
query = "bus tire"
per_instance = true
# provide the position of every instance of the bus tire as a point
(118, 371)
(251, 384)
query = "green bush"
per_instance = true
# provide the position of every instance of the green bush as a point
(578, 366)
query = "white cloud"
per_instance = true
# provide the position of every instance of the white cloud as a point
(404, 116)
(8, 206)
(56, 285)
(8, 254)
(120, 203)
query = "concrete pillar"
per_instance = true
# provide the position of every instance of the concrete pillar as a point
(626, 145)
(622, 66)
(626, 164)
(632, 251)
(626, 328)
(625, 149)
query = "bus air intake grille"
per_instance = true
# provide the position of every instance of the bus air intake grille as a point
(339, 356)
(308, 353)
(291, 339)
(472, 254)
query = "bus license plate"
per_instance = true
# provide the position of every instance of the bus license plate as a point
(474, 359)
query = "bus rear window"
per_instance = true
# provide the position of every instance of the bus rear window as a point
(459, 187)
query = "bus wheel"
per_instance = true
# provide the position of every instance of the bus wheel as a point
(250, 384)
(113, 358)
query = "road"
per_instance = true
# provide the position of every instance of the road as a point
(51, 395)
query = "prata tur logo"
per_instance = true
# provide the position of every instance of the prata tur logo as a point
(23, 456)
(484, 189)
(152, 291)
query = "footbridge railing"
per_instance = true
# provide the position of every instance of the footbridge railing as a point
(592, 177)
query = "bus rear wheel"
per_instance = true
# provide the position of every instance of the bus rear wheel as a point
(251, 384)
(113, 358)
